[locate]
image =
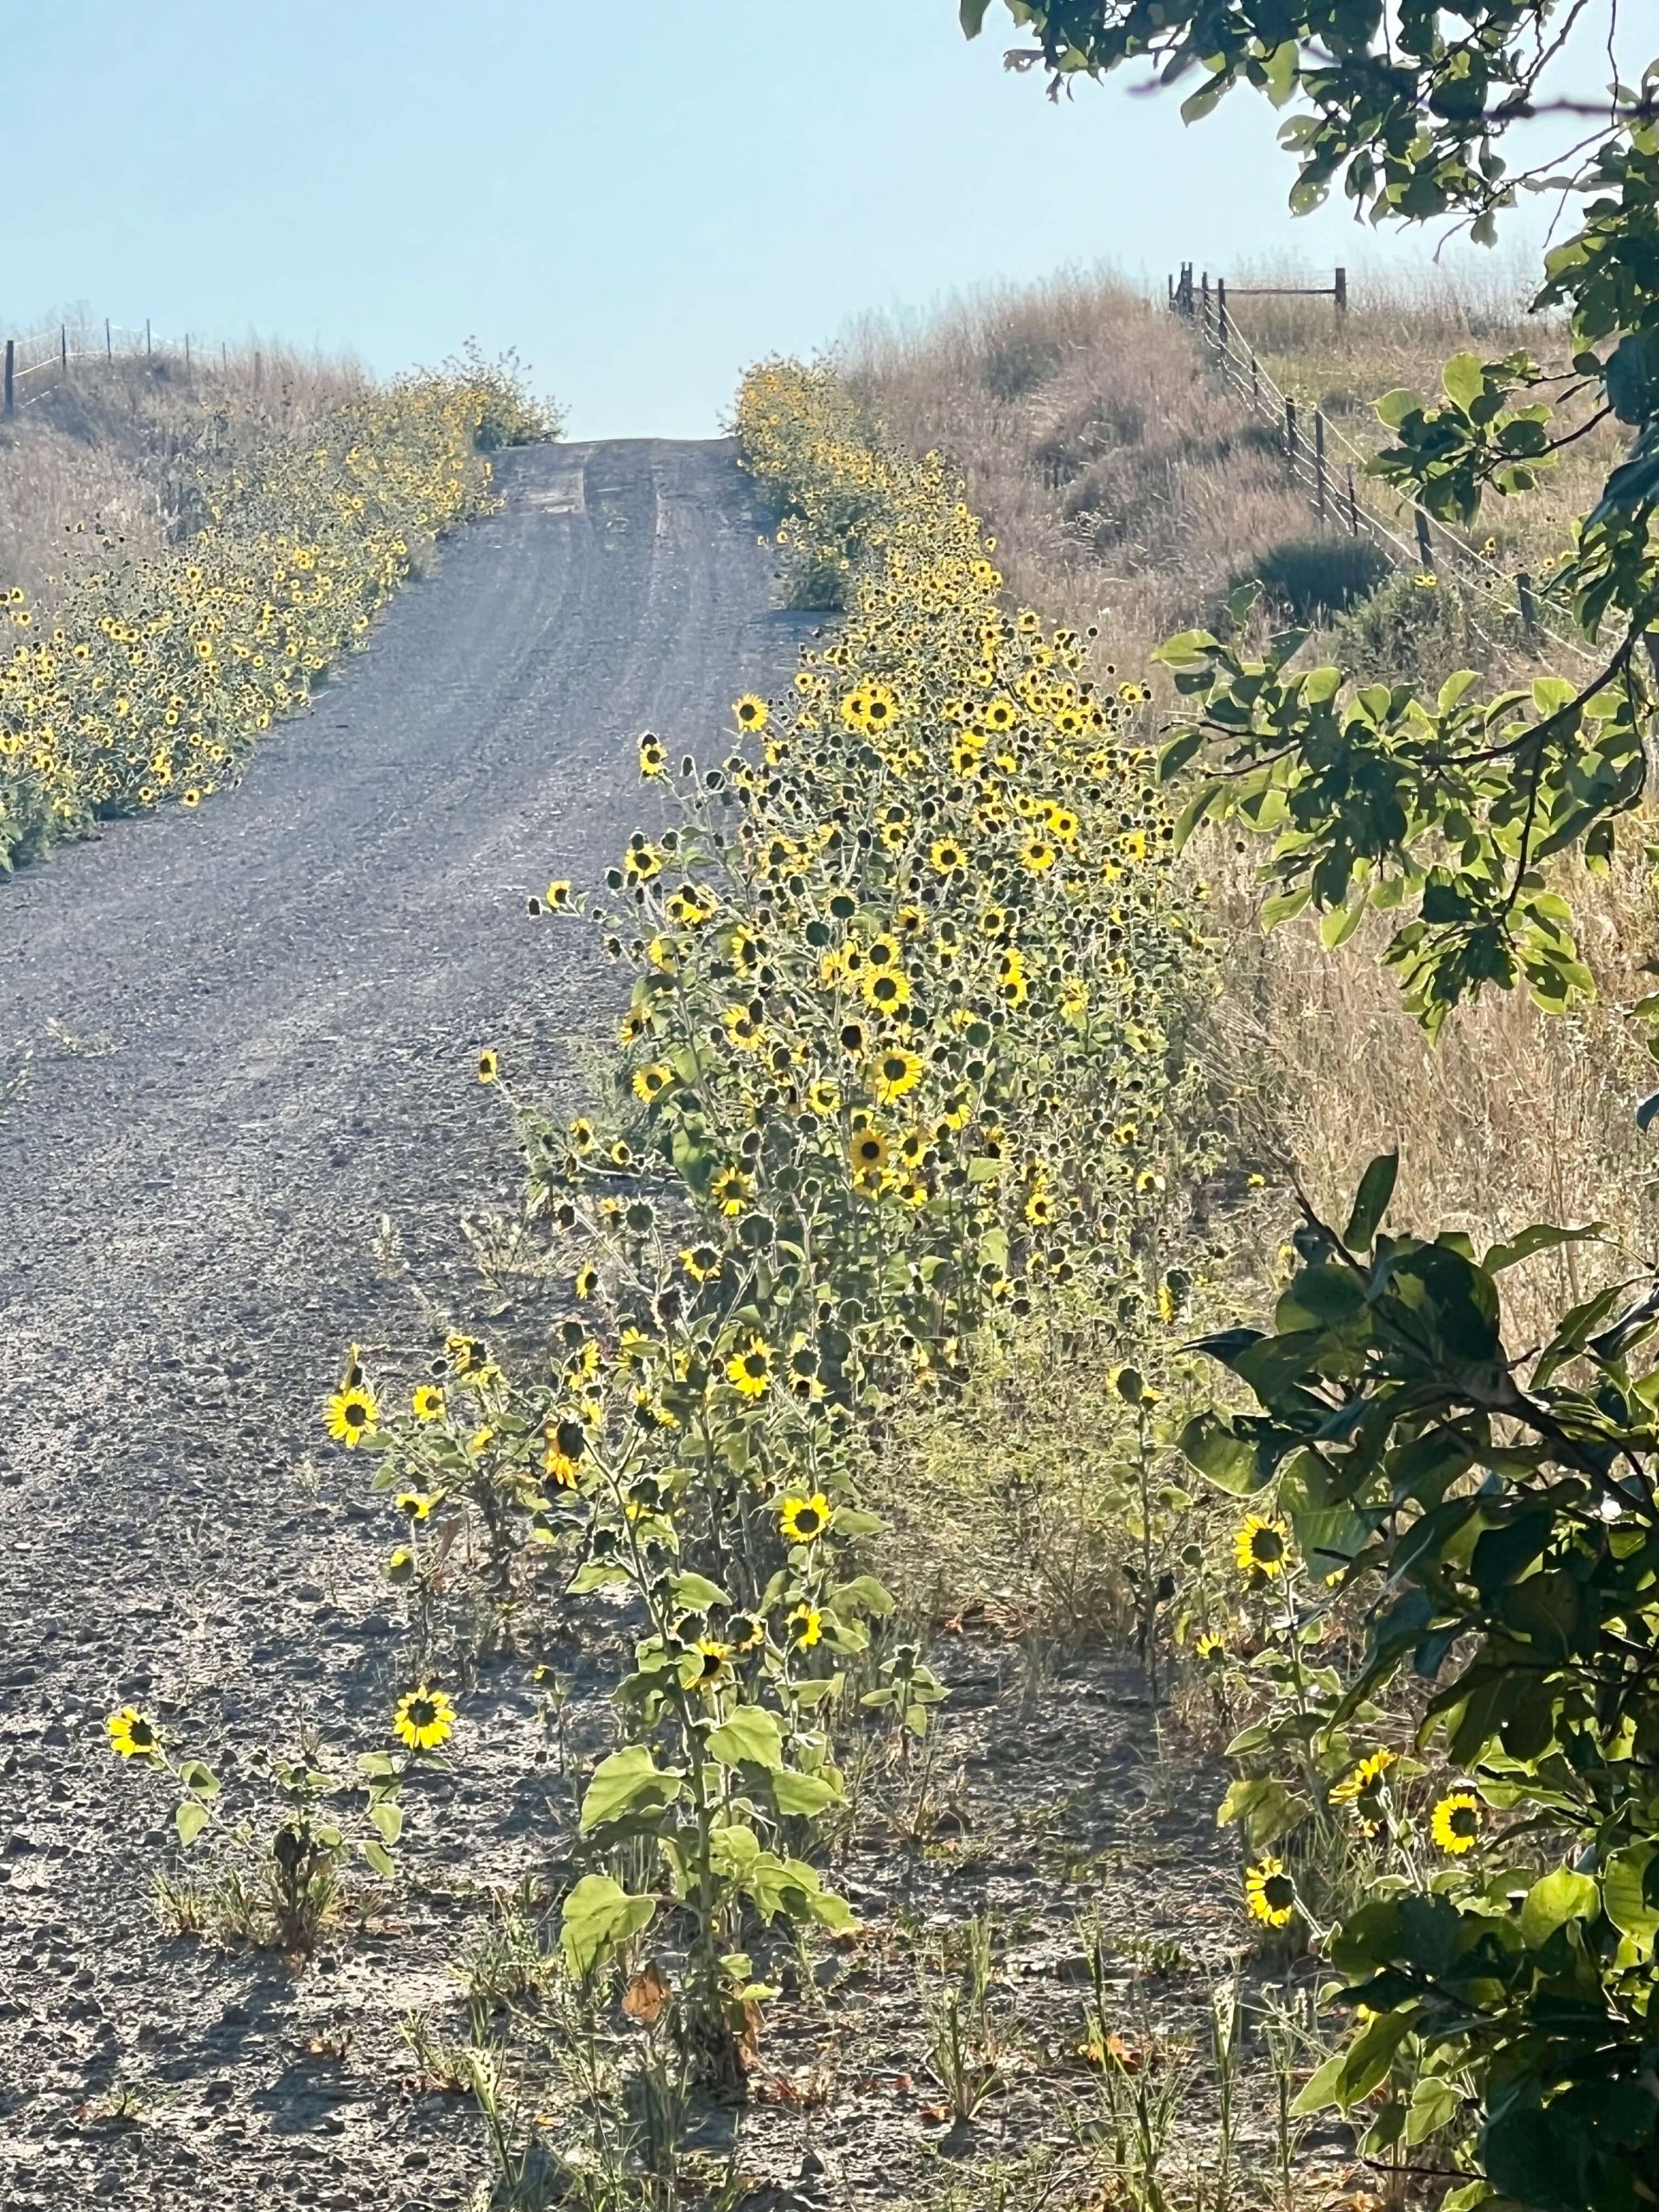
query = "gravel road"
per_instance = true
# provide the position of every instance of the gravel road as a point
(253, 1031)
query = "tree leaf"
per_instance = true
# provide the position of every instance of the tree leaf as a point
(1371, 1201)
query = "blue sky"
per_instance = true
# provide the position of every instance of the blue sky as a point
(641, 198)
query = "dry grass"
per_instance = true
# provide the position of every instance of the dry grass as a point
(90, 464)
(1127, 486)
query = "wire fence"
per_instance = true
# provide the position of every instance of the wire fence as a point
(1333, 472)
(37, 361)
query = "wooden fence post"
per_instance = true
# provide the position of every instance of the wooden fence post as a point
(109, 342)
(1425, 545)
(146, 337)
(63, 348)
(1203, 299)
(1318, 462)
(1256, 384)
(1353, 504)
(11, 377)
(1290, 431)
(1221, 312)
(1339, 293)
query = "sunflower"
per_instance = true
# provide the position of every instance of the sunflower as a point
(423, 1718)
(1270, 1893)
(885, 989)
(1038, 855)
(700, 1261)
(583, 1135)
(731, 1190)
(419, 1503)
(653, 760)
(1262, 1547)
(803, 1520)
(1455, 1823)
(948, 856)
(1360, 1782)
(587, 1280)
(823, 1098)
(869, 1152)
(352, 1413)
(750, 1368)
(743, 1030)
(751, 713)
(711, 1656)
(650, 1083)
(132, 1735)
(895, 1072)
(744, 1632)
(1212, 1649)
(558, 896)
(428, 1401)
(805, 1627)
(489, 1064)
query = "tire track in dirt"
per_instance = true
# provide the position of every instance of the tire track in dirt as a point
(253, 1034)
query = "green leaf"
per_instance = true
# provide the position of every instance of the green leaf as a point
(1624, 1892)
(389, 1819)
(751, 1736)
(1395, 406)
(695, 1593)
(379, 1857)
(190, 1819)
(1554, 1900)
(1371, 1201)
(200, 1780)
(628, 1782)
(1264, 1809)
(1176, 754)
(598, 1920)
(1368, 2057)
(1632, 376)
(1233, 1463)
(1540, 1238)
(806, 1794)
(1464, 379)
(972, 14)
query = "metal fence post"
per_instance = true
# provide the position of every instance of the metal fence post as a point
(146, 337)
(11, 375)
(63, 348)
(1528, 611)
(1353, 504)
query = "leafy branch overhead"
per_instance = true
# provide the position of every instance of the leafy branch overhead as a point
(1446, 809)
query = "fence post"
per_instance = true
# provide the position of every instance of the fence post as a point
(63, 348)
(146, 337)
(1256, 384)
(186, 353)
(1353, 504)
(11, 373)
(1339, 293)
(1221, 312)
(1318, 460)
(1528, 612)
(1204, 303)
(1290, 431)
(109, 343)
(1425, 545)
(256, 371)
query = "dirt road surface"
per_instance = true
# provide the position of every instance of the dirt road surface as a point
(253, 1034)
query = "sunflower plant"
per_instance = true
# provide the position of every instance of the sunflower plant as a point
(281, 1887)
(901, 1054)
(1498, 1513)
